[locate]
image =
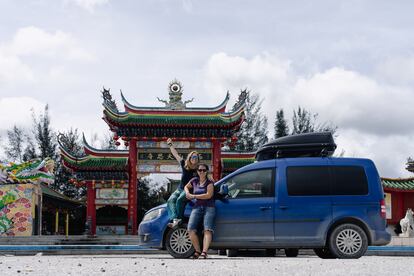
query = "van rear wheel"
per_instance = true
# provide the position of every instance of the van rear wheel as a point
(221, 252)
(271, 252)
(348, 241)
(232, 252)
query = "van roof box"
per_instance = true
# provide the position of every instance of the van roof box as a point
(316, 144)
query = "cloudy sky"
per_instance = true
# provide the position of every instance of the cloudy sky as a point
(352, 62)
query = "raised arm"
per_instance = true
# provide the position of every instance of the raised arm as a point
(173, 150)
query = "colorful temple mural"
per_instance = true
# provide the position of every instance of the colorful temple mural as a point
(20, 195)
(111, 175)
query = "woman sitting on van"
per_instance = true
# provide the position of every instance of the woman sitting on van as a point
(203, 211)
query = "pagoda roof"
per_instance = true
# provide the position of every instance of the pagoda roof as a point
(174, 118)
(231, 161)
(130, 108)
(95, 159)
(48, 192)
(398, 184)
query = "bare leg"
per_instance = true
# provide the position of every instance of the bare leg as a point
(207, 240)
(194, 240)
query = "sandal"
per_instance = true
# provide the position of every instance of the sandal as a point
(203, 255)
(196, 255)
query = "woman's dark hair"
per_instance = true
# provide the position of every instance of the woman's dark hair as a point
(204, 165)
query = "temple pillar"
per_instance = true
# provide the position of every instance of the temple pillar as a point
(132, 188)
(216, 159)
(67, 224)
(91, 208)
(57, 222)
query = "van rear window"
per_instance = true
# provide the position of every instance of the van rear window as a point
(349, 180)
(326, 180)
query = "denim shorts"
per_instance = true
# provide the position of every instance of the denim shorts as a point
(201, 214)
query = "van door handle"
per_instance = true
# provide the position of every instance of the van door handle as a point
(265, 208)
(283, 207)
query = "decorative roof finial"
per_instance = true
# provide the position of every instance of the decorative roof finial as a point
(175, 96)
(106, 95)
(244, 94)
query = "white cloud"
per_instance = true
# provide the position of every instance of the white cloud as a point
(397, 69)
(33, 41)
(265, 74)
(354, 101)
(187, 5)
(12, 69)
(18, 111)
(18, 56)
(89, 5)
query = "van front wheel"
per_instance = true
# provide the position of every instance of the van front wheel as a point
(348, 241)
(291, 252)
(178, 243)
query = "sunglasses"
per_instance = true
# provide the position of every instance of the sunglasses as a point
(202, 170)
(194, 157)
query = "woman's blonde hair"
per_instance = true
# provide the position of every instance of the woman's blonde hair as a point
(187, 164)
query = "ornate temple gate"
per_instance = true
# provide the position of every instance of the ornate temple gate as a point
(144, 131)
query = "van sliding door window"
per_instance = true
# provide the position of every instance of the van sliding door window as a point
(308, 181)
(258, 183)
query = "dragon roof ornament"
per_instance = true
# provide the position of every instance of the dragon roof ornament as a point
(175, 96)
(35, 171)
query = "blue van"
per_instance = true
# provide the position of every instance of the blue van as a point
(334, 206)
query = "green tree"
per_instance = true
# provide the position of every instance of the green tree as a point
(30, 149)
(44, 135)
(303, 121)
(14, 149)
(147, 198)
(281, 125)
(253, 132)
(108, 142)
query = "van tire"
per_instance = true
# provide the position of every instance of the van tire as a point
(323, 253)
(271, 252)
(291, 252)
(178, 243)
(232, 253)
(348, 241)
(221, 252)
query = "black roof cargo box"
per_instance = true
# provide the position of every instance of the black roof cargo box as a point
(314, 144)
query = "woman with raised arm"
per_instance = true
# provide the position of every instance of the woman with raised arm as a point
(201, 189)
(177, 201)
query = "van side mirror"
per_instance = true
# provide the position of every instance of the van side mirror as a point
(222, 192)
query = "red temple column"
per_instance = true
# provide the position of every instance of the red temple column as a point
(91, 208)
(132, 188)
(216, 159)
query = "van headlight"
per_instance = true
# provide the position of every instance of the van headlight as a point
(153, 214)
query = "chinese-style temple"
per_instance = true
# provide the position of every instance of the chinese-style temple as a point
(111, 175)
(399, 195)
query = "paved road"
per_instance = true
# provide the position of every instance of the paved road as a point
(163, 264)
